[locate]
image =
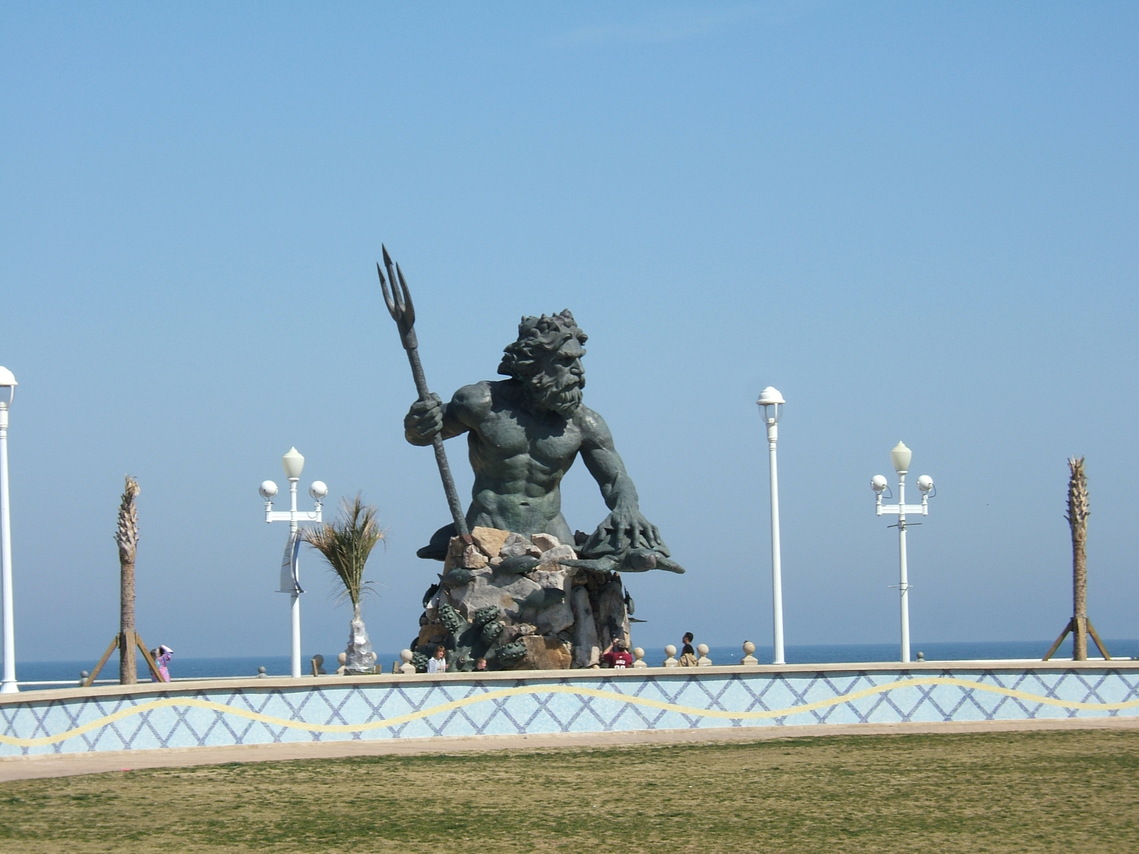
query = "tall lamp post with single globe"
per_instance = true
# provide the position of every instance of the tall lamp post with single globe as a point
(7, 392)
(771, 402)
(294, 464)
(900, 456)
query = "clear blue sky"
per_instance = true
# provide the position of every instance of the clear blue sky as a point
(917, 220)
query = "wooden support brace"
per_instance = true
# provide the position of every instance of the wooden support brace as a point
(90, 680)
(1071, 627)
(1067, 629)
(149, 659)
(1098, 642)
(94, 673)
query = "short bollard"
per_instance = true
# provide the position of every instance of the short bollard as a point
(407, 668)
(670, 657)
(749, 654)
(703, 660)
(639, 657)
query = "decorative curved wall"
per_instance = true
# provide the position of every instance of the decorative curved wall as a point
(275, 710)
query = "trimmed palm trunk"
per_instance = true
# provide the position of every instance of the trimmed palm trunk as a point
(1080, 626)
(1079, 509)
(346, 544)
(126, 536)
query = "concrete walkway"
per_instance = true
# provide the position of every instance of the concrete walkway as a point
(65, 765)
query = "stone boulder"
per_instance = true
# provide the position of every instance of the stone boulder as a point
(508, 598)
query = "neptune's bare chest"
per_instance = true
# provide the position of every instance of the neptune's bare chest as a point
(550, 441)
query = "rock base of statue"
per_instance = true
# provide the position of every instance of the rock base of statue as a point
(506, 598)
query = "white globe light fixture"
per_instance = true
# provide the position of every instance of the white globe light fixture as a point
(771, 403)
(293, 463)
(901, 456)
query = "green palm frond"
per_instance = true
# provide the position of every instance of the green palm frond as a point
(347, 543)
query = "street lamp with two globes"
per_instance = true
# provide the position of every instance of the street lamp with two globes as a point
(900, 456)
(293, 464)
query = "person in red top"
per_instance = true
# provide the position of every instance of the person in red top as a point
(617, 655)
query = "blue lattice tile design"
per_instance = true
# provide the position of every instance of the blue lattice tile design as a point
(574, 702)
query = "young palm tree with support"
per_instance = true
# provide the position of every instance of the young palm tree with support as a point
(1079, 509)
(346, 544)
(127, 640)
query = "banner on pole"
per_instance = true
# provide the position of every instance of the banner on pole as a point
(290, 565)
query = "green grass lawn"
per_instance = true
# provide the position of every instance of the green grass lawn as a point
(1001, 792)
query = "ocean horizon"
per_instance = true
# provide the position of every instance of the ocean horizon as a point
(32, 675)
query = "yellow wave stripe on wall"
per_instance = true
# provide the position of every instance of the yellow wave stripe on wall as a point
(490, 696)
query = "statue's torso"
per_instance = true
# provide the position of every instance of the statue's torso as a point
(518, 457)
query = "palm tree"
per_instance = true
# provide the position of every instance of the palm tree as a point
(346, 544)
(1078, 511)
(126, 536)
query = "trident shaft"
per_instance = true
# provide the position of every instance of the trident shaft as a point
(398, 300)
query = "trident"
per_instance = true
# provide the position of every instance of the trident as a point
(403, 313)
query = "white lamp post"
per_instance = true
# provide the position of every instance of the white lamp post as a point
(900, 456)
(294, 464)
(7, 392)
(771, 402)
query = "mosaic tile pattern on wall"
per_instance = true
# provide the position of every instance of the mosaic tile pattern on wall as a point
(581, 702)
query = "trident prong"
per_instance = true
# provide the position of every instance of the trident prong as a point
(401, 308)
(402, 311)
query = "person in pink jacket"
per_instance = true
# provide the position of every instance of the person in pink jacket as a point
(162, 657)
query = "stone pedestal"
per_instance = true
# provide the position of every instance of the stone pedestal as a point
(509, 599)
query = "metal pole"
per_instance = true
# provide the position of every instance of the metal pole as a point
(8, 686)
(900, 456)
(903, 575)
(296, 604)
(293, 463)
(776, 567)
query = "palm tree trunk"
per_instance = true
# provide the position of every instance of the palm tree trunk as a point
(360, 657)
(126, 535)
(1078, 511)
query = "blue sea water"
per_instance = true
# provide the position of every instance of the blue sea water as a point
(54, 674)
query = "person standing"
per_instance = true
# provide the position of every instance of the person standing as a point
(162, 657)
(438, 662)
(617, 655)
(687, 653)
